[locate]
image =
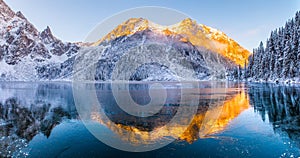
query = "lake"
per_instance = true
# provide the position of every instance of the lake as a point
(166, 119)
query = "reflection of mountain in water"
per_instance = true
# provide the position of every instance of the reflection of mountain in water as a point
(216, 118)
(282, 106)
(28, 109)
(23, 118)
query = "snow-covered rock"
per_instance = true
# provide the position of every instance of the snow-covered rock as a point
(23, 47)
(159, 57)
(146, 51)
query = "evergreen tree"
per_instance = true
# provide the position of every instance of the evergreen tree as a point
(261, 63)
(249, 72)
(296, 44)
(287, 51)
(279, 54)
(280, 59)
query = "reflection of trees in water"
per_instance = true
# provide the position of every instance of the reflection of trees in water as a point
(20, 120)
(19, 123)
(282, 106)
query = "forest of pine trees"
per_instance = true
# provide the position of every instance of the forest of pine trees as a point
(279, 59)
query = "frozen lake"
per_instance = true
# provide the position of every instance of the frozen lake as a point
(216, 120)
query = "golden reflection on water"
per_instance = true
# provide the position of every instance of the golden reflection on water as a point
(205, 124)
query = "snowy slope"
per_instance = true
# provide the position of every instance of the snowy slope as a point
(198, 34)
(150, 56)
(23, 47)
(185, 51)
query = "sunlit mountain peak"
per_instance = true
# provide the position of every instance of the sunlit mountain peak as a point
(199, 35)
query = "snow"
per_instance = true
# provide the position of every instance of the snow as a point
(5, 67)
(2, 42)
(20, 61)
(47, 58)
(58, 59)
(278, 60)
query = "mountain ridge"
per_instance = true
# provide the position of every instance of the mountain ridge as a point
(27, 54)
(19, 38)
(198, 34)
(23, 48)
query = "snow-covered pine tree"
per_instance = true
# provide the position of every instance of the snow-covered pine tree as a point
(249, 70)
(297, 43)
(252, 65)
(270, 51)
(261, 60)
(294, 50)
(287, 50)
(279, 51)
(281, 57)
(274, 57)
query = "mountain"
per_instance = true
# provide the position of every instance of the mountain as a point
(156, 53)
(186, 50)
(208, 52)
(279, 59)
(197, 34)
(23, 47)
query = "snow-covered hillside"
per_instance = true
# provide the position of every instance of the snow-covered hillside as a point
(190, 31)
(157, 56)
(185, 51)
(23, 47)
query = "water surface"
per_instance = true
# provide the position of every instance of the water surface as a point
(231, 120)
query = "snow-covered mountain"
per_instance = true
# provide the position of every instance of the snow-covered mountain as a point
(208, 52)
(152, 55)
(23, 47)
(197, 34)
(29, 55)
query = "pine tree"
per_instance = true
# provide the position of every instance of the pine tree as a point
(271, 56)
(249, 72)
(297, 44)
(287, 51)
(281, 56)
(294, 51)
(261, 63)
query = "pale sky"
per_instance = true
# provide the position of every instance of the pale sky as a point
(246, 21)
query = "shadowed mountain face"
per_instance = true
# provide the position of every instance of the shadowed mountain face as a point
(29, 55)
(23, 49)
(19, 39)
(157, 54)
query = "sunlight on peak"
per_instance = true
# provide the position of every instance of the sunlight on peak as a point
(197, 34)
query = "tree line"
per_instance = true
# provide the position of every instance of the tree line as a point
(278, 59)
